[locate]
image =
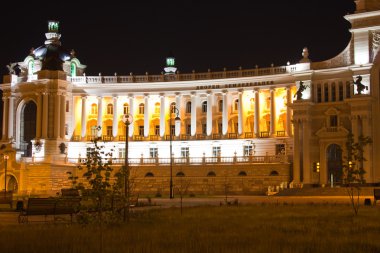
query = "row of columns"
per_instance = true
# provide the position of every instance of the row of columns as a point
(193, 117)
(42, 100)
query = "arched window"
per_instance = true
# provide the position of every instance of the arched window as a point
(110, 109)
(141, 108)
(149, 174)
(172, 107)
(125, 108)
(211, 174)
(30, 67)
(242, 174)
(157, 107)
(252, 100)
(188, 107)
(73, 69)
(273, 173)
(204, 106)
(94, 109)
(180, 174)
(236, 104)
(220, 105)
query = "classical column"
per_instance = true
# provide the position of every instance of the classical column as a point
(162, 116)
(5, 117)
(63, 116)
(57, 104)
(115, 117)
(288, 111)
(193, 114)
(257, 114)
(45, 113)
(296, 148)
(178, 106)
(100, 116)
(84, 117)
(132, 112)
(240, 113)
(11, 117)
(225, 114)
(306, 151)
(39, 116)
(272, 113)
(146, 116)
(209, 112)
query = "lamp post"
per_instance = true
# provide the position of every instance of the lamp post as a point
(127, 119)
(177, 120)
(6, 157)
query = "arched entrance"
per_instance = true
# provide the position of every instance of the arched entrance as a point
(28, 127)
(334, 163)
(11, 181)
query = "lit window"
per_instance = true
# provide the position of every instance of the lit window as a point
(204, 107)
(333, 120)
(252, 100)
(121, 152)
(110, 109)
(109, 130)
(188, 129)
(204, 128)
(125, 108)
(94, 109)
(141, 130)
(141, 108)
(172, 129)
(157, 108)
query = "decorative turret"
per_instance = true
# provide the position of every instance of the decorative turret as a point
(170, 65)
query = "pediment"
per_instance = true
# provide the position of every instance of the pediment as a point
(332, 132)
(332, 111)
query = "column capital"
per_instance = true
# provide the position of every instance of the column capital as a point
(146, 95)
(178, 94)
(130, 96)
(272, 89)
(115, 98)
(162, 95)
(240, 91)
(256, 90)
(99, 97)
(224, 92)
(209, 93)
(193, 94)
(83, 97)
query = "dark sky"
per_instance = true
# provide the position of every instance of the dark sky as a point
(136, 37)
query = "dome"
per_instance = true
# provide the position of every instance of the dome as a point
(52, 56)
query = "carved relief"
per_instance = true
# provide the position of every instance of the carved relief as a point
(375, 43)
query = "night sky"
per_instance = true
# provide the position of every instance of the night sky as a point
(136, 37)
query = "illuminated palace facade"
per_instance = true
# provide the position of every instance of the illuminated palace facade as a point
(243, 130)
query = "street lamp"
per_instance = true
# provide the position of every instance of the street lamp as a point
(6, 157)
(127, 119)
(177, 121)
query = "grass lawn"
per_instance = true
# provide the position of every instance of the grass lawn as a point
(255, 228)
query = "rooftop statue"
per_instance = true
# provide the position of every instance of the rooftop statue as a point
(359, 86)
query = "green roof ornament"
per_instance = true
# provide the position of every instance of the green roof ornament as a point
(170, 65)
(53, 26)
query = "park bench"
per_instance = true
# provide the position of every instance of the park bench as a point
(48, 207)
(6, 198)
(376, 195)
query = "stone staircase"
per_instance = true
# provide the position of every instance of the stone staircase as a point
(322, 191)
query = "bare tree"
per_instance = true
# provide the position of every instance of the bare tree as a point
(182, 186)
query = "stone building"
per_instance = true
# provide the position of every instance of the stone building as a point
(245, 129)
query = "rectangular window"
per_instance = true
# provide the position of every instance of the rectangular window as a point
(319, 94)
(348, 90)
(67, 106)
(141, 130)
(157, 130)
(333, 120)
(89, 151)
(66, 129)
(220, 128)
(121, 152)
(109, 130)
(216, 151)
(247, 150)
(172, 130)
(188, 129)
(185, 152)
(326, 91)
(333, 93)
(153, 152)
(340, 92)
(204, 128)
(280, 149)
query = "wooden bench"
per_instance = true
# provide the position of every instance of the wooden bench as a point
(6, 198)
(49, 207)
(376, 195)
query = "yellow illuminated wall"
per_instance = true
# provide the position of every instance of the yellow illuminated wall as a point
(280, 107)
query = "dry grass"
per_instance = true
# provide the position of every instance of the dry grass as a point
(260, 228)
